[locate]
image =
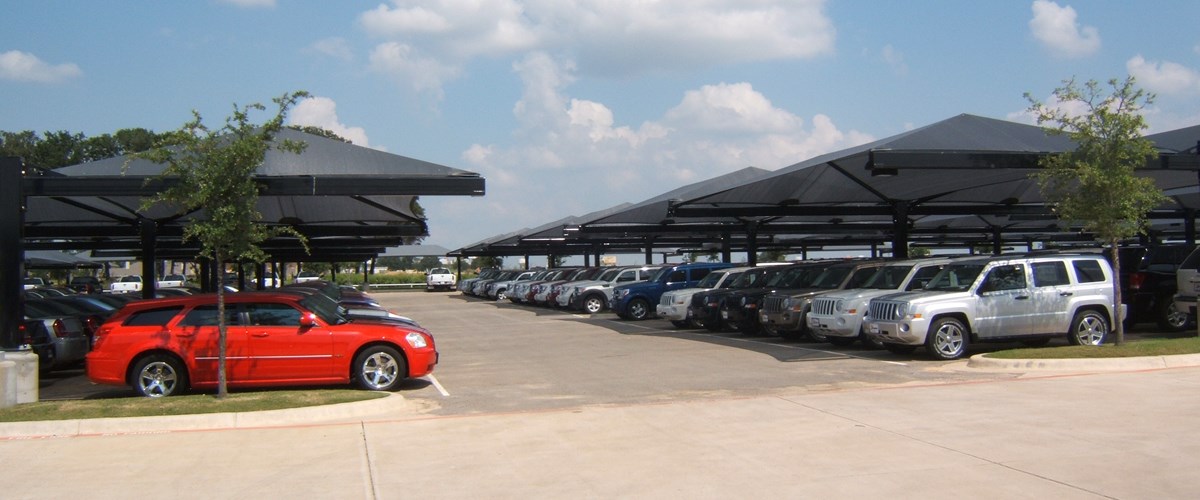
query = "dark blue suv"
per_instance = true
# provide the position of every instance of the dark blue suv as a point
(637, 300)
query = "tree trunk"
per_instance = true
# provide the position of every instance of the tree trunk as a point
(222, 330)
(1119, 320)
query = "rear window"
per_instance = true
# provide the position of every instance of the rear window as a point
(153, 317)
(1050, 274)
(1088, 271)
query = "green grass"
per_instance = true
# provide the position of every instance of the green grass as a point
(1147, 347)
(181, 405)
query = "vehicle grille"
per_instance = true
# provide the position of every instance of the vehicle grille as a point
(884, 310)
(823, 307)
(774, 303)
(666, 299)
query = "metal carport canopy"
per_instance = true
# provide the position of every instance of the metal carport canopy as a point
(963, 166)
(353, 201)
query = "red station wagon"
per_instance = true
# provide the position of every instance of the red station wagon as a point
(164, 346)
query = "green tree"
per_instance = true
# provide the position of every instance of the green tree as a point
(1097, 183)
(213, 171)
(772, 255)
(915, 252)
(428, 262)
(485, 262)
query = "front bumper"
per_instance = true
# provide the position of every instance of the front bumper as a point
(908, 332)
(835, 326)
(673, 312)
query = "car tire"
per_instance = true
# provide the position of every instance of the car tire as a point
(899, 348)
(815, 337)
(714, 325)
(379, 368)
(841, 341)
(593, 304)
(502, 294)
(681, 324)
(159, 375)
(1088, 328)
(1170, 318)
(637, 310)
(870, 342)
(947, 339)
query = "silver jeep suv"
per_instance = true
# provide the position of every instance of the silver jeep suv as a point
(1028, 298)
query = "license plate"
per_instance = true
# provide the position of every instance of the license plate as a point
(814, 322)
(873, 329)
(724, 314)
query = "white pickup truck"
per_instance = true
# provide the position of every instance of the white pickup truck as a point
(439, 278)
(128, 284)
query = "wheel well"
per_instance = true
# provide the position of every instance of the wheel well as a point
(407, 365)
(143, 355)
(1103, 311)
(959, 316)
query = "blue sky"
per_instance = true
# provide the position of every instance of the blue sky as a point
(571, 106)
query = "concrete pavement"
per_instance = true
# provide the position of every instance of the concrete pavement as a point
(1094, 435)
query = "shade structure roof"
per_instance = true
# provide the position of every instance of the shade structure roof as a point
(963, 181)
(351, 202)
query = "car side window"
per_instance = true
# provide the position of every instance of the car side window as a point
(152, 317)
(625, 277)
(861, 276)
(699, 274)
(1007, 277)
(923, 277)
(207, 316)
(677, 275)
(271, 314)
(1050, 274)
(1088, 271)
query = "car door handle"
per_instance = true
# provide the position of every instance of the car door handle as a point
(260, 334)
(1066, 294)
(1022, 297)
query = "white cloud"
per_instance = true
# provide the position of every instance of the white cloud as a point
(1057, 29)
(335, 47)
(1164, 77)
(408, 67)
(895, 59)
(250, 3)
(608, 37)
(568, 151)
(25, 67)
(322, 112)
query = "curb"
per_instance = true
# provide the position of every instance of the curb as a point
(982, 361)
(390, 404)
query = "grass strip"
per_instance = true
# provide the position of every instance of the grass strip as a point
(182, 405)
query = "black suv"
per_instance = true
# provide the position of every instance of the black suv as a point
(1148, 284)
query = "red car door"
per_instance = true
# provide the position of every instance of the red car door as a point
(198, 337)
(282, 349)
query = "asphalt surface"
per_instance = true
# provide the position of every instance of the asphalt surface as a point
(536, 403)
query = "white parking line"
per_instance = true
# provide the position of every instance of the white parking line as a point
(437, 385)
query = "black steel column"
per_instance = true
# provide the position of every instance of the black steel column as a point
(752, 243)
(1189, 226)
(726, 248)
(900, 229)
(997, 241)
(149, 233)
(12, 253)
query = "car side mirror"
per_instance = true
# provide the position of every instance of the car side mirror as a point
(308, 320)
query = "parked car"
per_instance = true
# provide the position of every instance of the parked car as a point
(706, 306)
(58, 340)
(33, 282)
(304, 276)
(673, 306)
(465, 286)
(636, 301)
(172, 280)
(593, 296)
(162, 347)
(838, 316)
(1149, 284)
(560, 287)
(85, 284)
(1027, 298)
(127, 284)
(439, 278)
(784, 311)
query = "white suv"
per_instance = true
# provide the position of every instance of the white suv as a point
(673, 306)
(838, 316)
(1187, 283)
(1028, 298)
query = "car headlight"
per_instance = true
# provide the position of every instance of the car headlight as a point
(622, 293)
(416, 340)
(679, 299)
(838, 305)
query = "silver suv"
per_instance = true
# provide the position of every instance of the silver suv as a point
(1028, 298)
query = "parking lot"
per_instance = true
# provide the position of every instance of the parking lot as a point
(542, 403)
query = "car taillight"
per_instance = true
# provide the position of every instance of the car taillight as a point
(1136, 280)
(26, 335)
(92, 324)
(100, 334)
(60, 330)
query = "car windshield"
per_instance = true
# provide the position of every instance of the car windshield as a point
(751, 278)
(609, 274)
(955, 278)
(711, 280)
(777, 277)
(325, 308)
(831, 277)
(888, 277)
